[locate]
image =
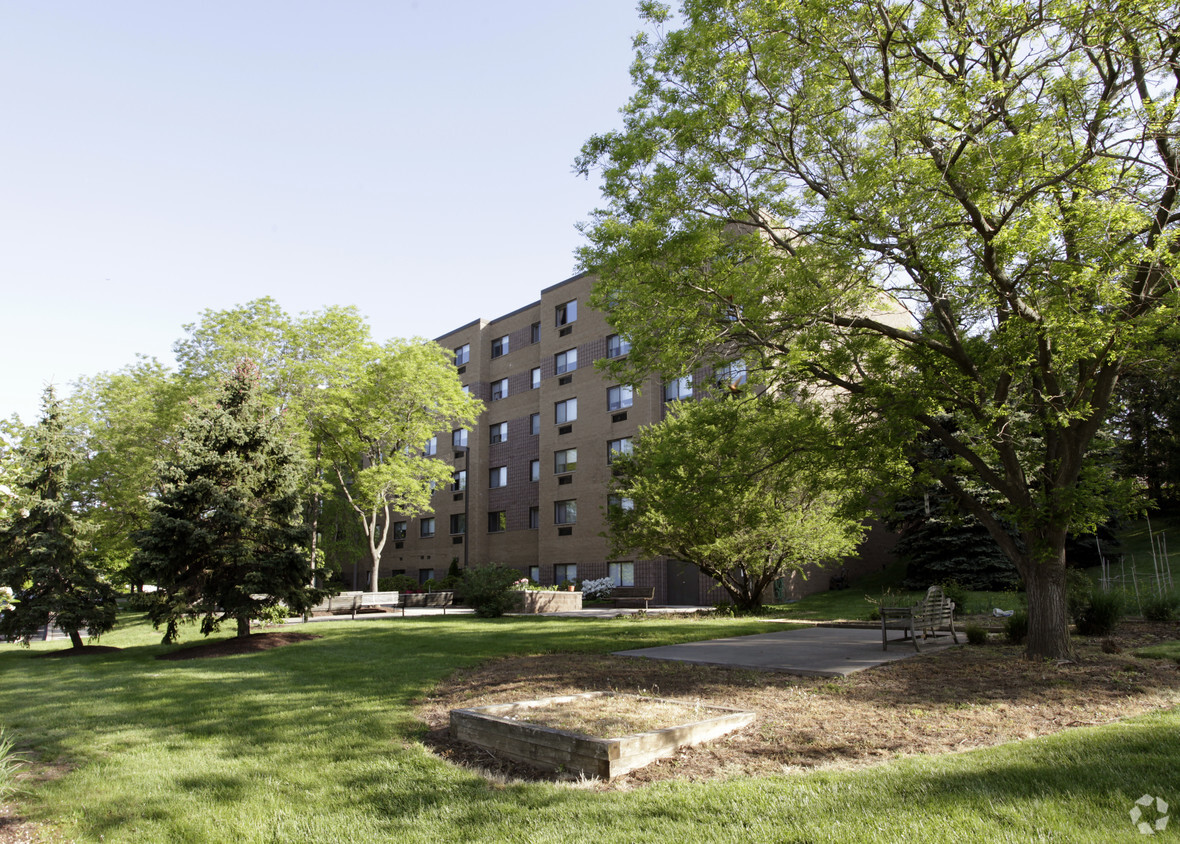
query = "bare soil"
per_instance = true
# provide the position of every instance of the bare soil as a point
(957, 699)
(253, 643)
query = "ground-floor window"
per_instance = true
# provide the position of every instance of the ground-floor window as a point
(535, 574)
(425, 575)
(565, 571)
(621, 574)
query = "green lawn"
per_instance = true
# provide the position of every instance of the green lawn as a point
(318, 742)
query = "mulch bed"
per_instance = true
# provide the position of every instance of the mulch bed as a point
(253, 643)
(85, 650)
(957, 699)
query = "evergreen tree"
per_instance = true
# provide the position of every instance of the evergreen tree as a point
(43, 556)
(226, 539)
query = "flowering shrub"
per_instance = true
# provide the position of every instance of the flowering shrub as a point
(521, 585)
(7, 598)
(593, 590)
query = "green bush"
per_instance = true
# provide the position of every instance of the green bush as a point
(1101, 614)
(1016, 627)
(1162, 607)
(10, 763)
(488, 589)
(955, 591)
(1078, 589)
(397, 583)
(976, 635)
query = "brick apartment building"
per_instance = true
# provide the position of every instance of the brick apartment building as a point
(531, 480)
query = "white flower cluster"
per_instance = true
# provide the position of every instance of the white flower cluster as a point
(595, 589)
(7, 598)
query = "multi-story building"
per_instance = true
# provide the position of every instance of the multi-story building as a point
(531, 480)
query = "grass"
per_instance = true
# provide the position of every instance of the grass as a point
(319, 742)
(1164, 650)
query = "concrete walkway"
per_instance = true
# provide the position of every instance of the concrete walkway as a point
(814, 651)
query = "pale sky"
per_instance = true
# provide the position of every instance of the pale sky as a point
(159, 158)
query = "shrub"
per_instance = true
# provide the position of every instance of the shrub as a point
(1078, 589)
(397, 583)
(593, 590)
(1162, 607)
(1016, 627)
(955, 591)
(10, 763)
(1101, 614)
(976, 635)
(488, 589)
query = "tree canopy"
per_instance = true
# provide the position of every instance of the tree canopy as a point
(925, 210)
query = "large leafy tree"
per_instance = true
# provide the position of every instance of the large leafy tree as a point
(924, 210)
(373, 422)
(44, 557)
(226, 538)
(746, 489)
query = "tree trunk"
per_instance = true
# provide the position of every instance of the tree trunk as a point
(1048, 617)
(75, 638)
(243, 625)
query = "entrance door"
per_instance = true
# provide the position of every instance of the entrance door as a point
(684, 584)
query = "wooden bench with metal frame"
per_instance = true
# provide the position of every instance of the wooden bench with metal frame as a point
(934, 612)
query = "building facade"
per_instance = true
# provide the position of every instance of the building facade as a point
(531, 480)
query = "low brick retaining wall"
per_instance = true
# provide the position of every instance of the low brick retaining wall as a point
(539, 602)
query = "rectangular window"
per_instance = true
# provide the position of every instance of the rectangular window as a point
(425, 575)
(621, 574)
(498, 477)
(399, 531)
(617, 447)
(565, 571)
(458, 523)
(499, 433)
(619, 397)
(500, 346)
(567, 312)
(566, 361)
(617, 346)
(732, 375)
(427, 528)
(565, 460)
(535, 574)
(497, 521)
(462, 354)
(499, 389)
(565, 512)
(534, 523)
(566, 411)
(535, 378)
(459, 480)
(535, 424)
(431, 447)
(678, 389)
(535, 333)
(618, 502)
(459, 438)
(534, 470)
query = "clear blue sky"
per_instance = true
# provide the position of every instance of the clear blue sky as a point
(411, 158)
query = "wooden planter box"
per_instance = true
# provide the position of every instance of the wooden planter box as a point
(548, 749)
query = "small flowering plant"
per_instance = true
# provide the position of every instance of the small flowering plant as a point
(593, 590)
(7, 598)
(521, 585)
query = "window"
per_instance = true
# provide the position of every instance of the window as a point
(462, 354)
(431, 447)
(618, 397)
(535, 424)
(565, 512)
(618, 502)
(399, 531)
(534, 523)
(567, 312)
(566, 361)
(498, 477)
(427, 528)
(535, 333)
(459, 480)
(459, 438)
(534, 470)
(499, 389)
(566, 411)
(535, 378)
(616, 447)
(678, 389)
(616, 346)
(565, 460)
(732, 375)
(535, 574)
(621, 574)
(425, 575)
(500, 346)
(497, 521)
(458, 523)
(465, 389)
(499, 433)
(563, 572)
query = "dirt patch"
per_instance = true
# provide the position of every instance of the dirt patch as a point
(85, 650)
(958, 699)
(239, 645)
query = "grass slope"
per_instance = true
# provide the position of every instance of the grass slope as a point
(318, 742)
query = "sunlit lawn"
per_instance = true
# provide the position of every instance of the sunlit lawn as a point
(318, 742)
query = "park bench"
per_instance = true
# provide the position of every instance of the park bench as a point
(632, 595)
(934, 612)
(346, 602)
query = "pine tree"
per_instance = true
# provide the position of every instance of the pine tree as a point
(226, 539)
(43, 555)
